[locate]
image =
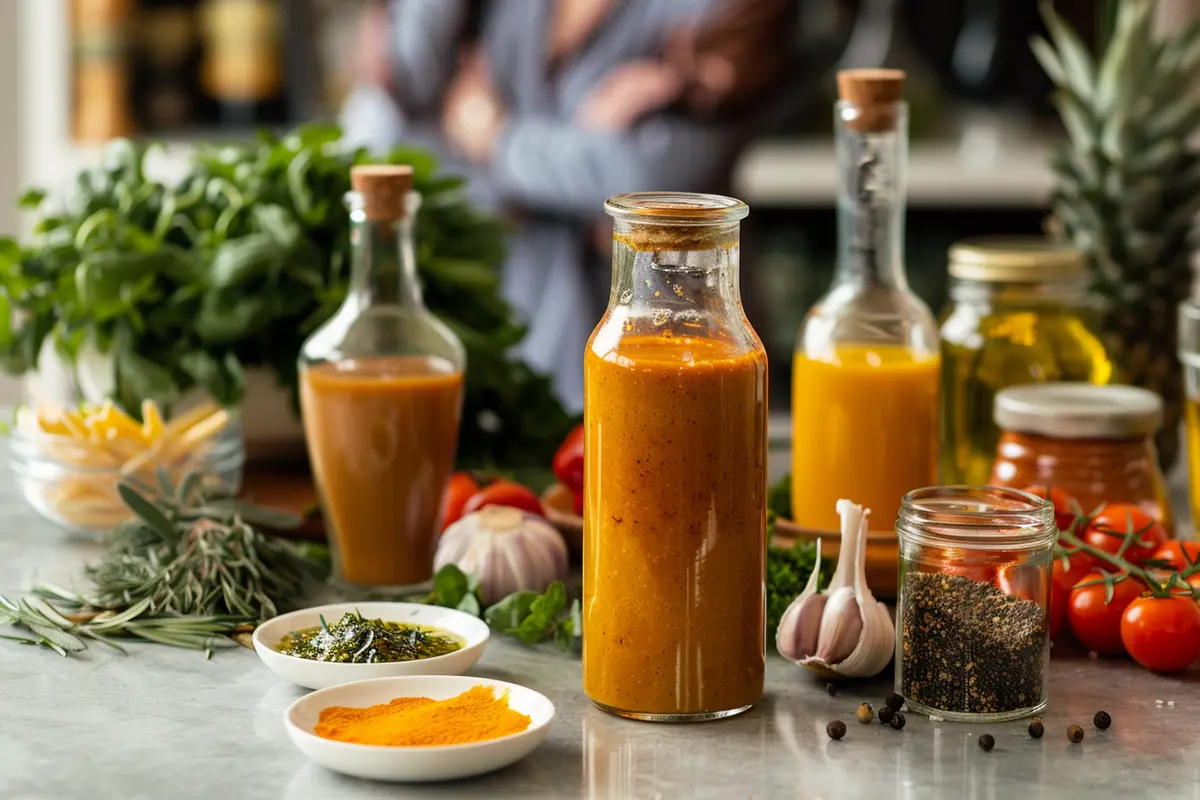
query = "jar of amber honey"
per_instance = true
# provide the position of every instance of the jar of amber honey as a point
(1096, 443)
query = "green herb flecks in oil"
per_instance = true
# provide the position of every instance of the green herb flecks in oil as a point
(356, 640)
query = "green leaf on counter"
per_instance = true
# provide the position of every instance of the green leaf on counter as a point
(509, 612)
(451, 586)
(532, 618)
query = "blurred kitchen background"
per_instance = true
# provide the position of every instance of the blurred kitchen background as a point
(75, 73)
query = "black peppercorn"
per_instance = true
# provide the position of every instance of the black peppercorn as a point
(986, 742)
(1102, 720)
(897, 721)
(1036, 729)
(836, 729)
(1075, 734)
(885, 714)
(895, 702)
(832, 689)
(865, 713)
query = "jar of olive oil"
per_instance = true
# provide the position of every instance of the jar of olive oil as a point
(1018, 313)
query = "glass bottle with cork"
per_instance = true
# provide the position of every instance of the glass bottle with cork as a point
(865, 374)
(675, 415)
(381, 387)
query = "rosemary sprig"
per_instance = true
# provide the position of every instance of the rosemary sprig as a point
(189, 571)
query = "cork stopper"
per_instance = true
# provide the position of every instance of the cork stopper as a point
(384, 189)
(874, 94)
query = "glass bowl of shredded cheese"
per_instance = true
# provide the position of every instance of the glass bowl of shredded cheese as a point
(69, 461)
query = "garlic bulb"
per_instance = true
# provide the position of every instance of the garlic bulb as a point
(843, 631)
(507, 549)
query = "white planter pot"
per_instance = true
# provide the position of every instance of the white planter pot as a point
(272, 429)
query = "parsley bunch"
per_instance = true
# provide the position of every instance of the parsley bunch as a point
(189, 283)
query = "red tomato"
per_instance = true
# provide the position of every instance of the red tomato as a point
(1194, 581)
(505, 493)
(1109, 526)
(1096, 624)
(1019, 581)
(1064, 580)
(568, 461)
(1162, 633)
(1064, 504)
(458, 491)
(1173, 554)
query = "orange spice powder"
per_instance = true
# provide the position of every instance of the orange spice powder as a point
(473, 716)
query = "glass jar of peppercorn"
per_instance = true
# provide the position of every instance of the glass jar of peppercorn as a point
(972, 641)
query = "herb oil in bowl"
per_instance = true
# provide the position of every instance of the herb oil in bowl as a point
(355, 639)
(347, 642)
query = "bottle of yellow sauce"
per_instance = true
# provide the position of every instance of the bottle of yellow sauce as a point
(865, 374)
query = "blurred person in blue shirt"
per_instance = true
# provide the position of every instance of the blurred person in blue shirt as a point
(551, 106)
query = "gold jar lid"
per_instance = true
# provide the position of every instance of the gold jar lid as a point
(1022, 259)
(1078, 410)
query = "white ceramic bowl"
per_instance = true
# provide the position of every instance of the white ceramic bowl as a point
(416, 764)
(320, 674)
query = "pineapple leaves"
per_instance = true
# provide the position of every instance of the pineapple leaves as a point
(1077, 69)
(1122, 64)
(1048, 59)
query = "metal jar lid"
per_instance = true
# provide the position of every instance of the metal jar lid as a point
(1025, 259)
(1078, 410)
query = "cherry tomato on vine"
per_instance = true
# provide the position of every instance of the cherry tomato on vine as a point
(505, 493)
(1063, 581)
(1162, 633)
(1107, 529)
(458, 491)
(1173, 553)
(1096, 623)
(1063, 503)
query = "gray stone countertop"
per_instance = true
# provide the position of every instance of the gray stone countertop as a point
(163, 723)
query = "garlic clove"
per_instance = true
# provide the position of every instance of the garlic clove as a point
(855, 635)
(797, 635)
(841, 626)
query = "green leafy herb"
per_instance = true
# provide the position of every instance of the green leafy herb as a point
(779, 497)
(533, 618)
(187, 571)
(189, 283)
(196, 555)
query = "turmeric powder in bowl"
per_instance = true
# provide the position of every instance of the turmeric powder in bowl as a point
(476, 715)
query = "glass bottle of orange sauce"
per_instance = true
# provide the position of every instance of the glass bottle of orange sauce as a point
(865, 370)
(381, 386)
(675, 414)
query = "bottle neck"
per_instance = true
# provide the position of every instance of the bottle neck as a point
(684, 281)
(383, 263)
(871, 204)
